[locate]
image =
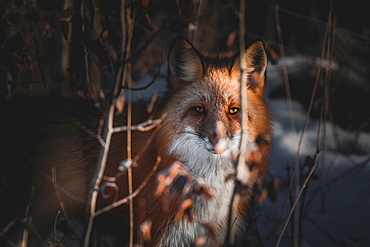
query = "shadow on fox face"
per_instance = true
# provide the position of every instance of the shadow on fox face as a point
(202, 109)
(205, 92)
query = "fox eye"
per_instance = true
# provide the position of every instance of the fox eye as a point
(233, 110)
(199, 109)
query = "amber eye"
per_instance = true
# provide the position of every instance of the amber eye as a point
(199, 109)
(233, 110)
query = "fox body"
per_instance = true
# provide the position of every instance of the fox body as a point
(204, 92)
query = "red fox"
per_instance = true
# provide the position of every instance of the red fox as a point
(204, 91)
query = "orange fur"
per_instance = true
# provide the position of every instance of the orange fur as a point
(203, 91)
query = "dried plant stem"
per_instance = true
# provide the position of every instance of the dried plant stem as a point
(292, 125)
(7, 228)
(66, 43)
(197, 13)
(25, 238)
(87, 74)
(148, 141)
(304, 184)
(61, 203)
(55, 229)
(28, 220)
(132, 195)
(326, 105)
(111, 130)
(311, 104)
(311, 101)
(144, 126)
(94, 188)
(124, 29)
(127, 80)
(241, 173)
(129, 175)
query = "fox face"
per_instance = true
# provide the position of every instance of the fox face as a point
(204, 102)
(203, 126)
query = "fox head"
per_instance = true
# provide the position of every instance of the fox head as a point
(203, 106)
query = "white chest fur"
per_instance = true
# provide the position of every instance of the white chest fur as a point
(213, 169)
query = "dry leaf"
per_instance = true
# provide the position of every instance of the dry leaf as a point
(202, 240)
(186, 209)
(125, 164)
(262, 196)
(166, 177)
(203, 190)
(146, 229)
(152, 102)
(120, 103)
(176, 183)
(109, 190)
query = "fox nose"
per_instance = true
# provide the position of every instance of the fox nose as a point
(213, 139)
(216, 132)
(217, 138)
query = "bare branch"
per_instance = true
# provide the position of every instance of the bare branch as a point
(292, 124)
(308, 115)
(94, 188)
(57, 191)
(55, 229)
(241, 173)
(145, 126)
(303, 186)
(132, 195)
(7, 228)
(100, 130)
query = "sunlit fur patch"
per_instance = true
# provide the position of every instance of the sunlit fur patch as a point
(213, 168)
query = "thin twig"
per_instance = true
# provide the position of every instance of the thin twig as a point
(108, 123)
(316, 21)
(311, 100)
(123, 28)
(292, 124)
(304, 184)
(63, 190)
(100, 130)
(326, 233)
(131, 195)
(149, 140)
(127, 28)
(141, 152)
(28, 220)
(7, 228)
(94, 188)
(55, 229)
(329, 184)
(127, 79)
(326, 107)
(241, 173)
(57, 191)
(198, 11)
(61, 203)
(144, 126)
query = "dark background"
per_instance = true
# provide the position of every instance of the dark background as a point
(33, 32)
(34, 35)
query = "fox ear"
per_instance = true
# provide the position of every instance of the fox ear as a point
(184, 61)
(256, 59)
(256, 63)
